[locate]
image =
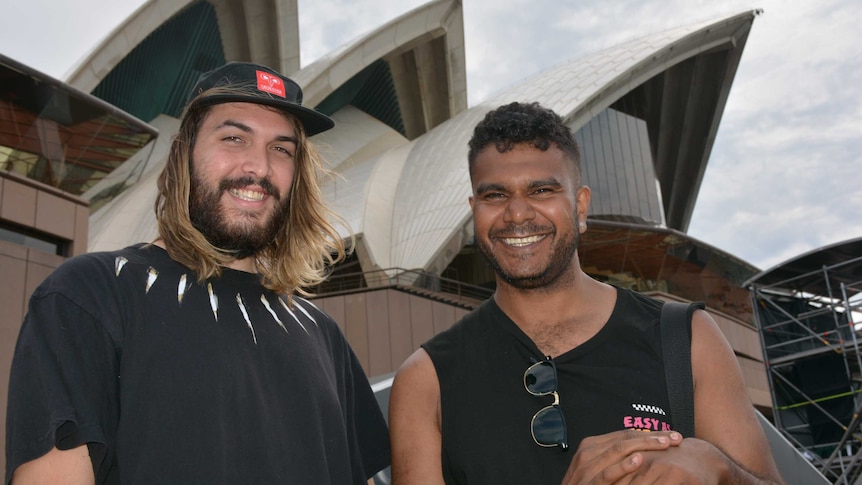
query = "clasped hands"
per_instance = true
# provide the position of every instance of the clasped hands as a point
(639, 457)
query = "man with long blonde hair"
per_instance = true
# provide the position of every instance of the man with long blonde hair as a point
(192, 359)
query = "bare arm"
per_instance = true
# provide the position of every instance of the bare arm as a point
(67, 467)
(414, 423)
(724, 415)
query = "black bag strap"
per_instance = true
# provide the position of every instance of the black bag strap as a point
(676, 353)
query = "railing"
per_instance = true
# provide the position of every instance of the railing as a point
(400, 277)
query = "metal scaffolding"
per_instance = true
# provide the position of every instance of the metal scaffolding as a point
(807, 311)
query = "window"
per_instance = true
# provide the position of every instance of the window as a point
(33, 239)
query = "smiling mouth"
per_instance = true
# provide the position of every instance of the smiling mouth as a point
(249, 195)
(522, 241)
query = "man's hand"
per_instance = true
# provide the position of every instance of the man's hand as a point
(625, 457)
(694, 461)
(613, 457)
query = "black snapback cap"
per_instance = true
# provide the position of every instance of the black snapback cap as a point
(266, 87)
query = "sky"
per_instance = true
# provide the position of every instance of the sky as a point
(785, 174)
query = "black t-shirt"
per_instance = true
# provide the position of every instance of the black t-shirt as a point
(613, 381)
(171, 381)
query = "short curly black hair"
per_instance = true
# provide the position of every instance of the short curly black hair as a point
(518, 123)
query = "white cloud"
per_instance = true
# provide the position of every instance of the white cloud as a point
(781, 178)
(52, 36)
(325, 25)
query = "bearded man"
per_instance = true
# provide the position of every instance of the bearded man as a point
(191, 359)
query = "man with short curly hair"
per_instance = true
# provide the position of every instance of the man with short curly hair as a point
(583, 358)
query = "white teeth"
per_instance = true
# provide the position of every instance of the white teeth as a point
(251, 195)
(522, 241)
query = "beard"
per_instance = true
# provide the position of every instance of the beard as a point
(560, 260)
(248, 234)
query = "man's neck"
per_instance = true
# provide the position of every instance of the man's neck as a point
(560, 317)
(247, 265)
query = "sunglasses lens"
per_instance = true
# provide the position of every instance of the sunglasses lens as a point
(541, 378)
(549, 427)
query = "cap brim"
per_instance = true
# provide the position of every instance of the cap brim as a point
(313, 121)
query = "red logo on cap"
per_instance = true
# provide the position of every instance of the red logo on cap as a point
(271, 84)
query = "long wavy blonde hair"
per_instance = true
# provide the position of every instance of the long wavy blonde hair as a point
(304, 250)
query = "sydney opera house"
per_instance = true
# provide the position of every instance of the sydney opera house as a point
(80, 157)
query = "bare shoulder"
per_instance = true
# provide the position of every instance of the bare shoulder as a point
(417, 366)
(713, 359)
(416, 379)
(415, 388)
(724, 413)
(414, 422)
(715, 368)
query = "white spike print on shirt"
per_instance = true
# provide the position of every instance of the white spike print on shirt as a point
(182, 288)
(274, 316)
(213, 300)
(245, 315)
(118, 264)
(185, 284)
(152, 276)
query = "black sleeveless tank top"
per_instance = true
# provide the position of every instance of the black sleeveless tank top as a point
(611, 382)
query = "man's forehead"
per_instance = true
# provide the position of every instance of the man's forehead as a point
(524, 155)
(224, 109)
(240, 112)
(523, 165)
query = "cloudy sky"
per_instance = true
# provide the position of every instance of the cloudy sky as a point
(784, 176)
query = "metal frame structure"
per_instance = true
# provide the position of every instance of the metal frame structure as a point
(807, 311)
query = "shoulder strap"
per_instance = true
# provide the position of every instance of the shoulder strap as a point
(676, 353)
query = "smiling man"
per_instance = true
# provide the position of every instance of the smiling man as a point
(191, 359)
(559, 378)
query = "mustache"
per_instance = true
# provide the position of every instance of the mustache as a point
(519, 230)
(243, 182)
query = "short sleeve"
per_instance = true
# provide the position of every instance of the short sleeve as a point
(366, 418)
(366, 427)
(63, 385)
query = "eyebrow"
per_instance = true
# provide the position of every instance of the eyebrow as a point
(482, 188)
(247, 129)
(490, 187)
